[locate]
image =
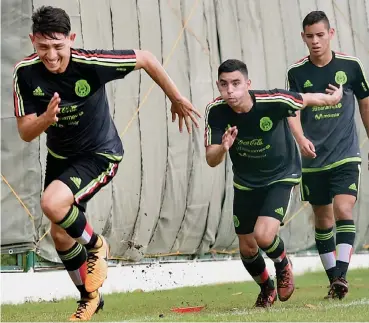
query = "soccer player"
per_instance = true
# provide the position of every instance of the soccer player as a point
(61, 91)
(329, 145)
(252, 125)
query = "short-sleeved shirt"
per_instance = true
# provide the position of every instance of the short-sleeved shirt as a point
(331, 129)
(264, 151)
(85, 124)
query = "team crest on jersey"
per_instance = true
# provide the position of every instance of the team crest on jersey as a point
(340, 78)
(266, 123)
(82, 88)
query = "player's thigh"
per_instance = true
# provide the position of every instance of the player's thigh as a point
(87, 175)
(315, 188)
(274, 209)
(246, 208)
(345, 179)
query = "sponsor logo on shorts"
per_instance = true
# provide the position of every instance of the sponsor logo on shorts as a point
(76, 181)
(279, 211)
(353, 187)
(236, 221)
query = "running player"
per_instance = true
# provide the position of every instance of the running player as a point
(329, 145)
(252, 125)
(61, 91)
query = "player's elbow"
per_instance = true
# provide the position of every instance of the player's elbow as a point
(24, 135)
(145, 59)
(211, 161)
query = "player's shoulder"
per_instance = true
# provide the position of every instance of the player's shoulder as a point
(298, 64)
(216, 102)
(347, 59)
(25, 65)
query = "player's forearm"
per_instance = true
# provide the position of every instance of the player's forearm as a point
(215, 154)
(156, 71)
(318, 99)
(31, 128)
(364, 112)
(296, 127)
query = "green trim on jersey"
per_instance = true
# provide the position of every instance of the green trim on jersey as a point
(330, 166)
(55, 155)
(217, 101)
(284, 180)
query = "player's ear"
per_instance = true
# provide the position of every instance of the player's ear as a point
(72, 37)
(31, 37)
(218, 86)
(303, 36)
(331, 32)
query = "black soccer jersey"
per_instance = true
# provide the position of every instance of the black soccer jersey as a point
(85, 124)
(264, 151)
(331, 129)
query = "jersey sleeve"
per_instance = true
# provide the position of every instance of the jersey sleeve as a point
(213, 126)
(109, 64)
(22, 95)
(291, 84)
(361, 84)
(289, 101)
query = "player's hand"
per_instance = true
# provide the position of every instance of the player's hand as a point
(307, 148)
(335, 92)
(185, 111)
(53, 109)
(229, 137)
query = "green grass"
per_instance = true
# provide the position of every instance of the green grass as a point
(224, 302)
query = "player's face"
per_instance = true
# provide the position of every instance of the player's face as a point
(233, 88)
(317, 38)
(54, 53)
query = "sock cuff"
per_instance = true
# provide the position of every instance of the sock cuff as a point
(70, 217)
(345, 226)
(328, 230)
(71, 253)
(274, 245)
(251, 259)
(323, 234)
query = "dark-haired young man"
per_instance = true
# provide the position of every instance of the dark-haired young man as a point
(61, 91)
(329, 145)
(253, 127)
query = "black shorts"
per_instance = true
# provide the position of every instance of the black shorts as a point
(85, 176)
(272, 201)
(319, 188)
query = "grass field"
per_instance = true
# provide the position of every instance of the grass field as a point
(224, 302)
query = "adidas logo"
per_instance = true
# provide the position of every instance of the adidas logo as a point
(76, 181)
(353, 187)
(279, 211)
(308, 84)
(38, 92)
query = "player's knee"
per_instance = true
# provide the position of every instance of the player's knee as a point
(248, 251)
(344, 211)
(56, 201)
(47, 205)
(264, 237)
(248, 246)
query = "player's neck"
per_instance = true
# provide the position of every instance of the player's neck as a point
(322, 60)
(246, 105)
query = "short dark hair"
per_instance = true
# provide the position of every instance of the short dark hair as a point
(232, 65)
(314, 17)
(48, 20)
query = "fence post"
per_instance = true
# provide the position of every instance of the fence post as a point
(30, 261)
